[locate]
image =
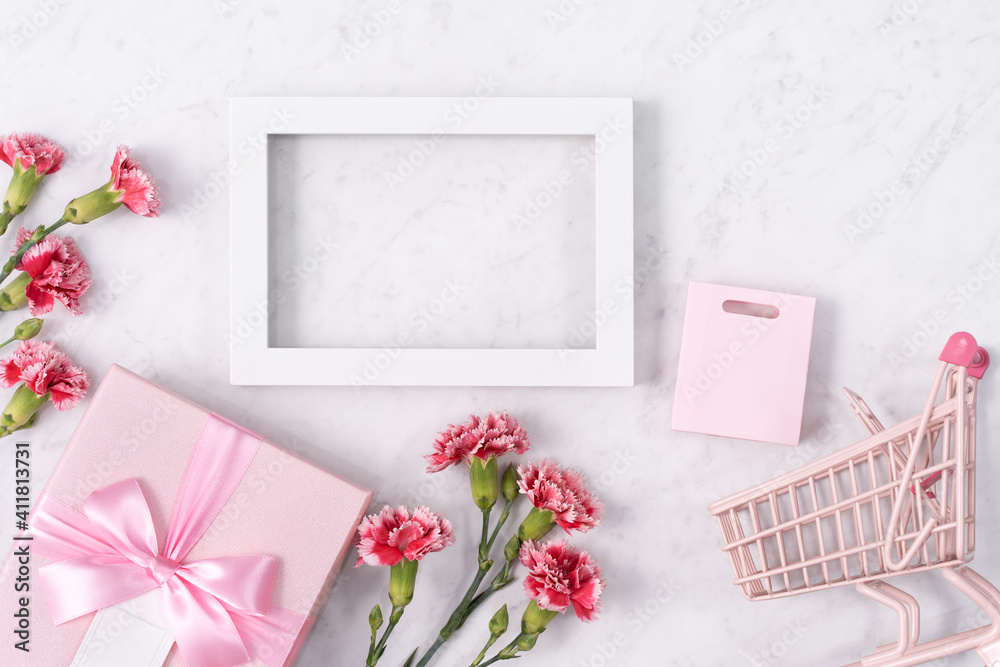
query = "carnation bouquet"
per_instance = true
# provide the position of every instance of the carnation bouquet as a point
(557, 576)
(52, 268)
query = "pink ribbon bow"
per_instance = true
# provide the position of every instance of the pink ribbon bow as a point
(218, 609)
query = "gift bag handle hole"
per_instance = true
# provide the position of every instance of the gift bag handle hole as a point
(751, 309)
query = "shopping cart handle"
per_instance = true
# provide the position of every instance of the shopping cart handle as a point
(960, 350)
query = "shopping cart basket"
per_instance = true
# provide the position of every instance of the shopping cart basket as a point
(902, 500)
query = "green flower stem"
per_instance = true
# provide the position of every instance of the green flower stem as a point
(482, 654)
(459, 615)
(8, 342)
(504, 515)
(5, 219)
(478, 600)
(39, 234)
(432, 650)
(535, 526)
(371, 647)
(506, 653)
(502, 580)
(373, 657)
(484, 546)
(481, 597)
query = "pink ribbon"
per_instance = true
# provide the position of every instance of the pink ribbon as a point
(219, 609)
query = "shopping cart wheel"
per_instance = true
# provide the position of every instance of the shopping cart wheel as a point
(990, 654)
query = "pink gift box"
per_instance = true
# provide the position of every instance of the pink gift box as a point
(283, 507)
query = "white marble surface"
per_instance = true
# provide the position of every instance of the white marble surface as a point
(757, 154)
(487, 242)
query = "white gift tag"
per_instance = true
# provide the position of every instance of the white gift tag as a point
(131, 633)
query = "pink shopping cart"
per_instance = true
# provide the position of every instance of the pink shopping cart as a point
(901, 500)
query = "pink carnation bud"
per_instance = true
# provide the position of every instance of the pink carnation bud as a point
(139, 191)
(45, 369)
(560, 576)
(561, 491)
(496, 435)
(392, 535)
(32, 150)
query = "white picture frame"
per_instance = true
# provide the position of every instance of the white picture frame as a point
(609, 120)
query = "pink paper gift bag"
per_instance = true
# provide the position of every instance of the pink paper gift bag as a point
(743, 363)
(151, 447)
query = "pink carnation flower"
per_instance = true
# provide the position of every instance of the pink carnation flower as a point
(561, 491)
(44, 368)
(496, 435)
(32, 150)
(560, 576)
(140, 192)
(57, 270)
(392, 534)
